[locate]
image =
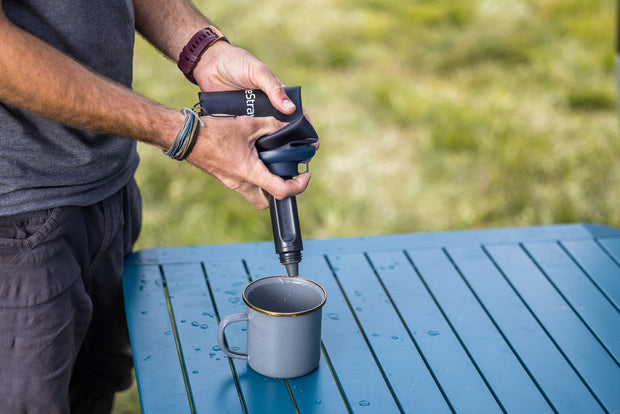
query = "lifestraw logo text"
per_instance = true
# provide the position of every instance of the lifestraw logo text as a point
(250, 98)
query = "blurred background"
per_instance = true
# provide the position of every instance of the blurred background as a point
(433, 115)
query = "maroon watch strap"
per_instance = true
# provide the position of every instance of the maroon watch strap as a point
(197, 45)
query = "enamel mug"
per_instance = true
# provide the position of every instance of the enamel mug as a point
(283, 326)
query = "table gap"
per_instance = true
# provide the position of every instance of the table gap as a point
(290, 393)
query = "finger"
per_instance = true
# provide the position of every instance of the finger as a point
(266, 126)
(274, 89)
(281, 188)
(256, 196)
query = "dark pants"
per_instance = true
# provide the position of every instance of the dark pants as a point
(63, 336)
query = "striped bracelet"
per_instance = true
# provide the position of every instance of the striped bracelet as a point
(186, 137)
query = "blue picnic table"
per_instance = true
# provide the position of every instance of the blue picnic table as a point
(517, 320)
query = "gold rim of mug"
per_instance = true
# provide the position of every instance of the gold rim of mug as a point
(266, 312)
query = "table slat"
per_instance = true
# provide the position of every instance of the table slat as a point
(599, 266)
(612, 246)
(208, 373)
(390, 340)
(452, 367)
(590, 360)
(158, 370)
(507, 379)
(531, 344)
(584, 297)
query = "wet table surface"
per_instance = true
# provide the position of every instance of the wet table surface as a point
(518, 320)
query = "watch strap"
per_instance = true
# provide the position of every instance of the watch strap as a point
(193, 50)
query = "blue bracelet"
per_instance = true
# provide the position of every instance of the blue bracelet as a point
(186, 137)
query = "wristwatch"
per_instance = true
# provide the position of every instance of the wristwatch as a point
(197, 45)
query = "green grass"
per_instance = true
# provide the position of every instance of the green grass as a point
(433, 115)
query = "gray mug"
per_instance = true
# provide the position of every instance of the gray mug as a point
(283, 326)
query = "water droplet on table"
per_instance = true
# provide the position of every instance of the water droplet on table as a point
(333, 316)
(364, 403)
(216, 348)
(317, 401)
(194, 323)
(432, 333)
(233, 300)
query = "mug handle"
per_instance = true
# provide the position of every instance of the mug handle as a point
(237, 317)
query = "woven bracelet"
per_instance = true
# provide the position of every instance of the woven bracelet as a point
(186, 137)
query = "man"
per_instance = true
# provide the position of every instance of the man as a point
(69, 208)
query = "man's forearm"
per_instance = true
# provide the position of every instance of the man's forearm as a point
(38, 78)
(168, 24)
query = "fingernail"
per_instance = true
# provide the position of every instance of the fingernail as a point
(288, 104)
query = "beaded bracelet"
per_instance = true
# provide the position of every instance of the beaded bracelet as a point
(186, 137)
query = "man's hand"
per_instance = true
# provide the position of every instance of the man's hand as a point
(225, 67)
(225, 149)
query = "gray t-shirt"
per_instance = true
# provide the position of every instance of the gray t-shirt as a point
(44, 164)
